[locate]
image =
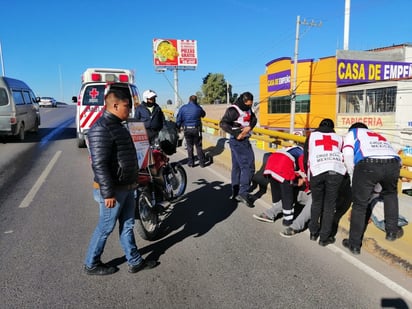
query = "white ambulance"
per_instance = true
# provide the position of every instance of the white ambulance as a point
(90, 102)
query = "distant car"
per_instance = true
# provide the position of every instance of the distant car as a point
(47, 101)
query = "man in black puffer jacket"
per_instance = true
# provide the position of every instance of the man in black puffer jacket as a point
(115, 168)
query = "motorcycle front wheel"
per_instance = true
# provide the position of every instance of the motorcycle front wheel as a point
(178, 180)
(147, 218)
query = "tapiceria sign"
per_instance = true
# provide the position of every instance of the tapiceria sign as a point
(367, 71)
(175, 53)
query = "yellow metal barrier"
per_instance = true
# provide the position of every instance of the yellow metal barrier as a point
(270, 140)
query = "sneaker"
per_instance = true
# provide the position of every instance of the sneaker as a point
(353, 249)
(100, 270)
(245, 200)
(314, 236)
(287, 222)
(328, 241)
(235, 192)
(263, 217)
(288, 232)
(392, 236)
(145, 264)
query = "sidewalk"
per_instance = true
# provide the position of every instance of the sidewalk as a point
(397, 253)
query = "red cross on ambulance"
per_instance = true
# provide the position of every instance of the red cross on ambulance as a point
(327, 142)
(93, 93)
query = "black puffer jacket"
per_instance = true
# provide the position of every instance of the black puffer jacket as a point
(113, 155)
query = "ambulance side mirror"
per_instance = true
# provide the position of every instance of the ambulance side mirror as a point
(74, 99)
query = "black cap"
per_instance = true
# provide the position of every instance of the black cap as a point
(327, 123)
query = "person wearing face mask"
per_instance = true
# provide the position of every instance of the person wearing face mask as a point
(239, 121)
(150, 113)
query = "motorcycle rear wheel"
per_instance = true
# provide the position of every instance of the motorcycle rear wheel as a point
(147, 221)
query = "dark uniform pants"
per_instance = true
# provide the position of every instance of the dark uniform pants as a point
(243, 165)
(324, 188)
(365, 176)
(193, 138)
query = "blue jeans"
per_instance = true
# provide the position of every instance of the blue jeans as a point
(124, 211)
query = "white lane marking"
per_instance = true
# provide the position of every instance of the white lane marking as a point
(352, 260)
(373, 273)
(30, 196)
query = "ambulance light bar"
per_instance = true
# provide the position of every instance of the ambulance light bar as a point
(108, 76)
(123, 78)
(96, 77)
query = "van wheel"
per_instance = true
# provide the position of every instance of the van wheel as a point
(81, 143)
(36, 128)
(22, 133)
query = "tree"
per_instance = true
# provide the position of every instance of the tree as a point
(214, 89)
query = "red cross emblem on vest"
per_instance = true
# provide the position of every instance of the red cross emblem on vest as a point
(247, 117)
(327, 142)
(373, 134)
(93, 93)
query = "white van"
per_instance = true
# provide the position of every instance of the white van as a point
(90, 102)
(19, 108)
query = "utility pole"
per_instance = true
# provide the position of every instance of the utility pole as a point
(295, 70)
(176, 87)
(61, 84)
(227, 93)
(346, 25)
(2, 63)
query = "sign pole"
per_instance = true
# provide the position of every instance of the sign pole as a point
(176, 86)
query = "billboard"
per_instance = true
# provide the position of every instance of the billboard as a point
(175, 53)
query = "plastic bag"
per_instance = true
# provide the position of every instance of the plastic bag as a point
(168, 137)
(378, 215)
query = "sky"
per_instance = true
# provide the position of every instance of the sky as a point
(49, 44)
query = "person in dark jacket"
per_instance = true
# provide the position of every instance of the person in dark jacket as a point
(151, 114)
(115, 167)
(189, 118)
(239, 121)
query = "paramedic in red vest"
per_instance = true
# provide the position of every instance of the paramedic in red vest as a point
(150, 113)
(323, 160)
(370, 159)
(239, 121)
(284, 170)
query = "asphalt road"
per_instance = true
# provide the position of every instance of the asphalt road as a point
(213, 253)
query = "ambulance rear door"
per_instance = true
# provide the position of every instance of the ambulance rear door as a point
(90, 107)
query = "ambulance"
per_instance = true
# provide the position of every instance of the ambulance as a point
(90, 102)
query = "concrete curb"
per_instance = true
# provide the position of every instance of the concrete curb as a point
(397, 253)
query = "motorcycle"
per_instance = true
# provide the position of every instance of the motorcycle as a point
(160, 184)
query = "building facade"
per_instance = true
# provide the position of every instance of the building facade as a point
(373, 87)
